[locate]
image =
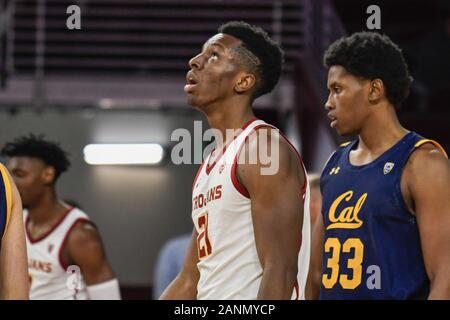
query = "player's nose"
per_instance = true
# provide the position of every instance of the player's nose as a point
(196, 62)
(328, 104)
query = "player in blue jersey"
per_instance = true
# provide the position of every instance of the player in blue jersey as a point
(384, 232)
(13, 255)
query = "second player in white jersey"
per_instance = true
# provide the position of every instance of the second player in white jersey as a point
(229, 265)
(55, 232)
(50, 278)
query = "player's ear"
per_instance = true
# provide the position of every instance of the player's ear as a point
(245, 82)
(49, 175)
(376, 91)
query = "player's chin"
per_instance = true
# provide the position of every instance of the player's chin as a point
(197, 102)
(347, 132)
(192, 100)
(343, 130)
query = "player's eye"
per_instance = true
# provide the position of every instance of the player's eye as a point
(18, 174)
(213, 56)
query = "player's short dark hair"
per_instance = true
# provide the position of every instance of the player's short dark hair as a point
(269, 54)
(37, 147)
(371, 55)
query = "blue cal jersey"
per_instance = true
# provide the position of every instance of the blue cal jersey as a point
(368, 229)
(5, 200)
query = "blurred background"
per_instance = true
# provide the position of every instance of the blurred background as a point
(120, 78)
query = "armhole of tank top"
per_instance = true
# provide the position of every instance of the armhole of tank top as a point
(296, 290)
(433, 142)
(240, 188)
(398, 184)
(63, 264)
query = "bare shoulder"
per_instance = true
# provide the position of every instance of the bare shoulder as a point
(427, 164)
(269, 145)
(83, 234)
(427, 158)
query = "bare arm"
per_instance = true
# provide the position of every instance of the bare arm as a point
(85, 249)
(13, 256)
(315, 266)
(277, 212)
(428, 177)
(184, 286)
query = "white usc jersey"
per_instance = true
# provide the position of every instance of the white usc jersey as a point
(221, 211)
(49, 279)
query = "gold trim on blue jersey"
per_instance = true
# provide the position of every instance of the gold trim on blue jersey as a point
(8, 194)
(435, 143)
(345, 144)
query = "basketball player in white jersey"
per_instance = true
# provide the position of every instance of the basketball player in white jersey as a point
(66, 258)
(252, 230)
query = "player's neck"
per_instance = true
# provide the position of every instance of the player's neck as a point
(46, 210)
(228, 119)
(381, 131)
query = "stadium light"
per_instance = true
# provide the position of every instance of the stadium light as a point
(124, 154)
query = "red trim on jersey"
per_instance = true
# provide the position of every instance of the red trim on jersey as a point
(237, 184)
(63, 263)
(297, 289)
(45, 235)
(297, 294)
(241, 188)
(299, 248)
(209, 167)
